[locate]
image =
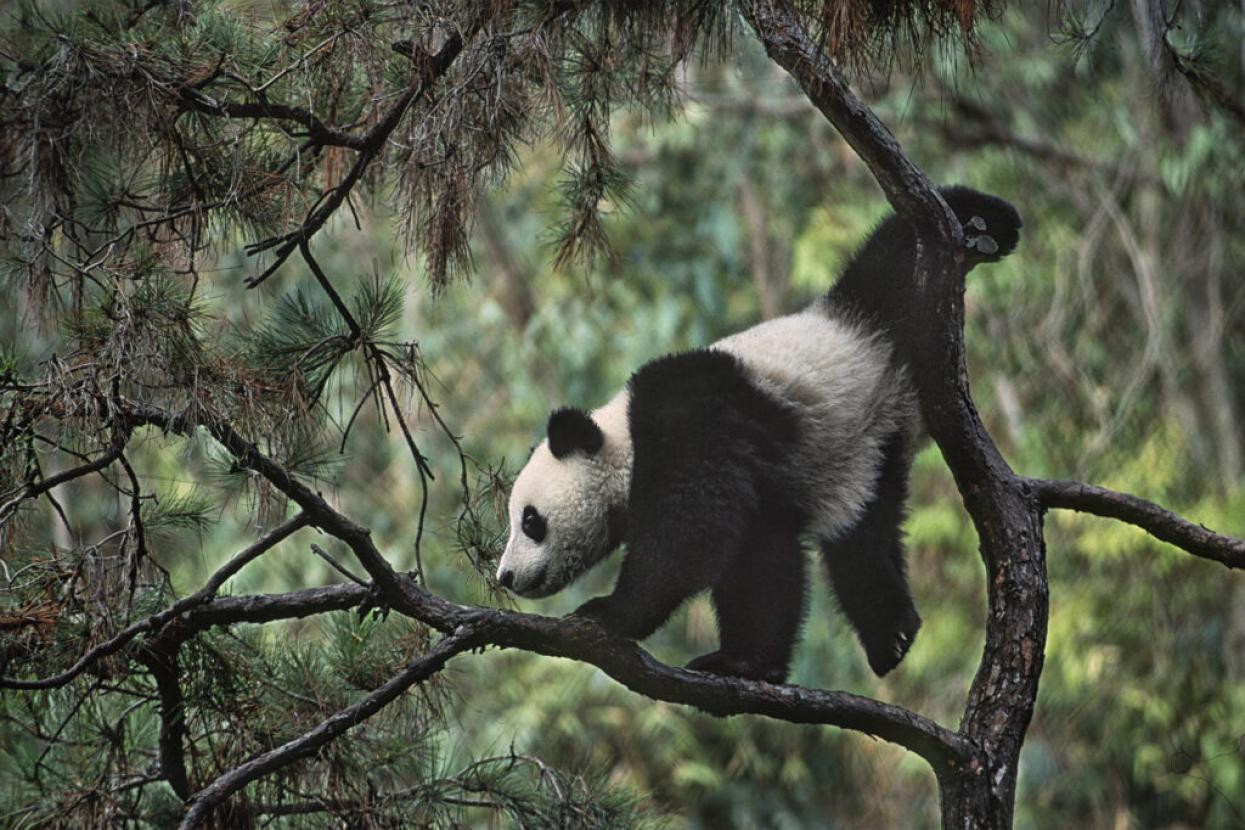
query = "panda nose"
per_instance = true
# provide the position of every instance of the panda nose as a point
(506, 578)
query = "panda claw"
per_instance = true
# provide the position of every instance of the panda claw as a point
(986, 245)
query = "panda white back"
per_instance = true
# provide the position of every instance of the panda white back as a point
(849, 395)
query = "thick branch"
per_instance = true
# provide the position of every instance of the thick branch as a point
(262, 608)
(1157, 521)
(418, 669)
(1008, 522)
(628, 663)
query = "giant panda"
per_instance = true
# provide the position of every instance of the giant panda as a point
(712, 466)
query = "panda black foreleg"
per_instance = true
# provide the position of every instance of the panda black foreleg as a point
(760, 604)
(866, 566)
(655, 579)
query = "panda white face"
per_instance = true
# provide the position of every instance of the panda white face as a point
(566, 506)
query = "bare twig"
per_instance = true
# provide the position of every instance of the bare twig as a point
(335, 565)
(34, 489)
(156, 621)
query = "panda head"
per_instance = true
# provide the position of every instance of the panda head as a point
(567, 505)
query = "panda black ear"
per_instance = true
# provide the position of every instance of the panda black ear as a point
(571, 430)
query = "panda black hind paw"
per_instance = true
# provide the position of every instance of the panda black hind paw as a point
(991, 225)
(887, 652)
(718, 663)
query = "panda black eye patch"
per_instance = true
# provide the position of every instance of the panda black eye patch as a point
(533, 524)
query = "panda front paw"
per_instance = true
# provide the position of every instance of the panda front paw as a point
(603, 612)
(719, 663)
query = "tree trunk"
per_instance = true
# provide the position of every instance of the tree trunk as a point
(968, 802)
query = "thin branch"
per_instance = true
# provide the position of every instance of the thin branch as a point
(418, 669)
(136, 521)
(33, 489)
(375, 355)
(245, 556)
(906, 186)
(335, 565)
(1157, 521)
(317, 130)
(158, 620)
(1206, 84)
(372, 143)
(466, 780)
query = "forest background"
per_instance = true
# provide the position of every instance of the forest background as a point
(1110, 348)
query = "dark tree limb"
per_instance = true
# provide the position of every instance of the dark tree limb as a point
(625, 661)
(263, 608)
(1157, 521)
(572, 638)
(317, 130)
(159, 655)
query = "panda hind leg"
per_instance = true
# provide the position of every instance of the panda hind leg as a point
(759, 601)
(866, 567)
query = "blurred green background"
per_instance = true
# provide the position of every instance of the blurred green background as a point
(1110, 347)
